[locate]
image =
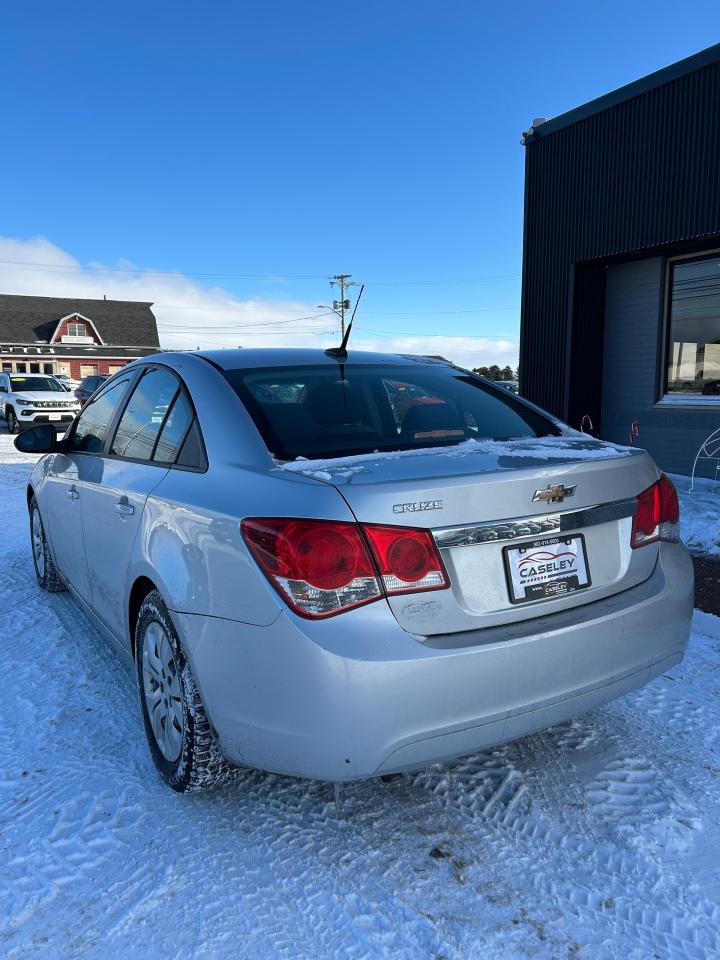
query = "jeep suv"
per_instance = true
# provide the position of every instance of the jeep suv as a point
(27, 399)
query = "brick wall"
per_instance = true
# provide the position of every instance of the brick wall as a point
(63, 329)
(47, 363)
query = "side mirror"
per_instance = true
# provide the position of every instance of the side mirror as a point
(3, 389)
(39, 439)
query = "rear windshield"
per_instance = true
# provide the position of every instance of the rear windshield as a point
(321, 411)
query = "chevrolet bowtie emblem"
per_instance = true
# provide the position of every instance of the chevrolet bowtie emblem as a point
(555, 493)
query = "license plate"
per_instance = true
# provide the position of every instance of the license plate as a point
(542, 569)
(54, 416)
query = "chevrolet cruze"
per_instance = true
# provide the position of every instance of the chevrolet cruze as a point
(342, 566)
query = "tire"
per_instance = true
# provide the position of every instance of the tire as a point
(48, 575)
(12, 421)
(182, 745)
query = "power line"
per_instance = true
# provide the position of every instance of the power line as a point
(369, 313)
(405, 333)
(179, 275)
(267, 323)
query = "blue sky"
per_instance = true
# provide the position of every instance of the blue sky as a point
(300, 139)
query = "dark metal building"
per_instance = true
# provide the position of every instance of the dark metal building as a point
(621, 262)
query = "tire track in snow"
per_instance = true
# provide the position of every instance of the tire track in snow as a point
(489, 857)
(627, 888)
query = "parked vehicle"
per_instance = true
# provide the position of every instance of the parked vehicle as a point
(510, 385)
(314, 583)
(27, 399)
(67, 382)
(87, 387)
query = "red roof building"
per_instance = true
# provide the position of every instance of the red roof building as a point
(72, 336)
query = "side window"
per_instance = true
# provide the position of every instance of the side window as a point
(92, 424)
(193, 453)
(145, 415)
(174, 431)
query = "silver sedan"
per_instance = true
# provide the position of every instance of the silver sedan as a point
(343, 566)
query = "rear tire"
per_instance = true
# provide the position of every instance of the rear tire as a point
(48, 575)
(12, 421)
(181, 740)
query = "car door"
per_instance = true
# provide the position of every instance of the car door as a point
(65, 479)
(113, 502)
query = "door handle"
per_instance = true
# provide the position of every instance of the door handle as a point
(124, 508)
(73, 493)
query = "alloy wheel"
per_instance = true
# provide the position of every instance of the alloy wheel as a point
(163, 692)
(38, 543)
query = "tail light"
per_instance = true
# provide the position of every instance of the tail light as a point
(408, 560)
(657, 514)
(320, 567)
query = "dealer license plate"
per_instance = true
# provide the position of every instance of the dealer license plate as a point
(541, 569)
(54, 416)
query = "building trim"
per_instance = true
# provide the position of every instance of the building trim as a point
(70, 316)
(90, 357)
(705, 58)
(42, 345)
(663, 398)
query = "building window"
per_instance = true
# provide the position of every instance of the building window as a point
(693, 358)
(88, 369)
(20, 368)
(76, 329)
(48, 368)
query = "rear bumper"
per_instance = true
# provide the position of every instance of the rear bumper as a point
(357, 696)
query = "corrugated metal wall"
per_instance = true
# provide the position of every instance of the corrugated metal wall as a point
(640, 176)
(672, 435)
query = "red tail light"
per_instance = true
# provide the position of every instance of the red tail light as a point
(320, 567)
(408, 560)
(657, 515)
(317, 566)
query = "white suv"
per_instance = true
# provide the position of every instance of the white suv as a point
(31, 398)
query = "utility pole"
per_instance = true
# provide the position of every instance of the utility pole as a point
(339, 306)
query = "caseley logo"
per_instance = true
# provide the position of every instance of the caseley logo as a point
(543, 563)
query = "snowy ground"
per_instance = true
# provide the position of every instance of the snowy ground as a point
(699, 514)
(598, 839)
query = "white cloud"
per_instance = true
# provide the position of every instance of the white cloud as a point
(466, 351)
(191, 313)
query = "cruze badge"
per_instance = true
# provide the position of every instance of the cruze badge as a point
(555, 493)
(417, 505)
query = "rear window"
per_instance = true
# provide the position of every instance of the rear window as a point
(323, 411)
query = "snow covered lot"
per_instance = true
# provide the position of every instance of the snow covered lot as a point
(597, 839)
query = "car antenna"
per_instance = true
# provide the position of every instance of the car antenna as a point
(340, 352)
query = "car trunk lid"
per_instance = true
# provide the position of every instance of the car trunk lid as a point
(482, 500)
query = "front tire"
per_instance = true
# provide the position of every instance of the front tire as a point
(181, 740)
(12, 421)
(48, 575)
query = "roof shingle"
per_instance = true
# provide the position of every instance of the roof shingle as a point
(119, 322)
